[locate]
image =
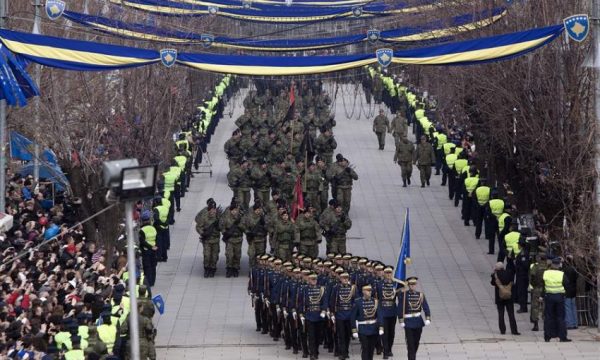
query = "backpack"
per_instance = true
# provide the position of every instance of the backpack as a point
(504, 291)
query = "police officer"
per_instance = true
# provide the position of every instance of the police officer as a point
(410, 305)
(554, 302)
(386, 294)
(424, 158)
(482, 196)
(471, 183)
(439, 140)
(366, 321)
(161, 223)
(494, 209)
(381, 125)
(147, 239)
(207, 226)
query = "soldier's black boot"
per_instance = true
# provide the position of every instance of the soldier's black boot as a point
(236, 272)
(212, 272)
(228, 273)
(206, 272)
(403, 182)
(535, 326)
(408, 180)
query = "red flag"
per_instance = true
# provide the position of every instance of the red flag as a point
(298, 198)
(292, 95)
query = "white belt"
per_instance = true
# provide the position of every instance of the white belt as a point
(366, 322)
(412, 315)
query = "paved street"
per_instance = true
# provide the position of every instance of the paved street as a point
(213, 318)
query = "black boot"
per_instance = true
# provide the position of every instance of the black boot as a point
(206, 272)
(427, 182)
(535, 326)
(228, 273)
(212, 272)
(403, 182)
(408, 180)
(236, 272)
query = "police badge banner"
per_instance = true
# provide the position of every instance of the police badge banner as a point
(54, 8)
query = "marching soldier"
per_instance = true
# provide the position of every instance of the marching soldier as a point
(404, 156)
(207, 226)
(386, 294)
(367, 322)
(232, 148)
(312, 183)
(310, 234)
(344, 177)
(399, 128)
(424, 158)
(325, 145)
(255, 227)
(381, 125)
(230, 226)
(335, 227)
(410, 305)
(261, 181)
(284, 235)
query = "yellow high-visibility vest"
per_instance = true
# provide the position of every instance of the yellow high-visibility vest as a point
(497, 206)
(483, 194)
(553, 282)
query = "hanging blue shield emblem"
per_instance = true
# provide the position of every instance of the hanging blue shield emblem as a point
(213, 10)
(578, 27)
(384, 56)
(168, 57)
(373, 35)
(357, 11)
(54, 8)
(207, 40)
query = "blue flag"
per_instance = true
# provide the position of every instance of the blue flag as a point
(21, 148)
(404, 256)
(159, 303)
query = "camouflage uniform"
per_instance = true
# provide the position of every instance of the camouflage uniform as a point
(344, 179)
(207, 226)
(404, 156)
(285, 238)
(424, 158)
(230, 226)
(255, 227)
(399, 128)
(325, 146)
(310, 235)
(312, 181)
(381, 125)
(261, 183)
(336, 227)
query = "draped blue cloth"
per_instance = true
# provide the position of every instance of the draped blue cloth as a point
(92, 56)
(432, 30)
(16, 86)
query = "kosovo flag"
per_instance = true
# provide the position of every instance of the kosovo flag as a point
(159, 303)
(404, 256)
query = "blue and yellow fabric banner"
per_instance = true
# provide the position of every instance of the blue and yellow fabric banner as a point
(430, 31)
(85, 55)
(279, 14)
(16, 86)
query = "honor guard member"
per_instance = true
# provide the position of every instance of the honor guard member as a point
(291, 315)
(255, 226)
(207, 226)
(275, 278)
(147, 239)
(314, 310)
(482, 196)
(470, 184)
(286, 282)
(340, 305)
(404, 155)
(381, 125)
(410, 305)
(230, 226)
(448, 162)
(424, 158)
(367, 322)
(310, 233)
(555, 282)
(302, 330)
(386, 294)
(344, 178)
(493, 211)
(256, 289)
(161, 223)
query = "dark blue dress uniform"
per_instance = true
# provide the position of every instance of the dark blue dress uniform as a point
(410, 306)
(367, 321)
(286, 283)
(314, 307)
(256, 289)
(291, 321)
(386, 294)
(274, 294)
(341, 303)
(302, 336)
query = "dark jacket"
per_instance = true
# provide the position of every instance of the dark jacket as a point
(571, 283)
(505, 277)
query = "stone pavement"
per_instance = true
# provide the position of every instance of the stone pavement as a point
(213, 318)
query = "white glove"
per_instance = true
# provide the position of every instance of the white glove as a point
(302, 320)
(380, 332)
(277, 309)
(328, 314)
(322, 314)
(402, 325)
(355, 335)
(285, 313)
(295, 315)
(427, 322)
(333, 318)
